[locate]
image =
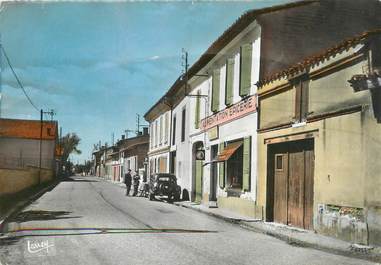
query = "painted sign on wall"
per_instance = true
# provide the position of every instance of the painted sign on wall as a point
(233, 112)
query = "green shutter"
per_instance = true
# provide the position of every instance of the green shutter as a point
(246, 163)
(216, 90)
(229, 81)
(245, 69)
(197, 110)
(198, 186)
(221, 173)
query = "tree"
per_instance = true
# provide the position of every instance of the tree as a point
(69, 144)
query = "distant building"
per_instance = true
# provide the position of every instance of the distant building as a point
(128, 153)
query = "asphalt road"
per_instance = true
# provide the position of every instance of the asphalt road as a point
(138, 231)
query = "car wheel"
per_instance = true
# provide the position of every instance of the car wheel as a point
(177, 197)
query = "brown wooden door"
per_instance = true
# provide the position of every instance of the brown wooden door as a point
(295, 198)
(280, 187)
(293, 184)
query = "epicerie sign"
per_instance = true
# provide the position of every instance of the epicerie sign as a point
(234, 112)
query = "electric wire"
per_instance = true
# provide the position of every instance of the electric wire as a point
(17, 79)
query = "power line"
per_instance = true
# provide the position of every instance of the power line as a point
(18, 80)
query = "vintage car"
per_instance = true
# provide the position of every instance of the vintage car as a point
(163, 184)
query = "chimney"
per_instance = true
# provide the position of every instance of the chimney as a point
(123, 136)
(145, 130)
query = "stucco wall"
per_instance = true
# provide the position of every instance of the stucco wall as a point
(15, 180)
(278, 108)
(20, 152)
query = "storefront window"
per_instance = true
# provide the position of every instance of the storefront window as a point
(235, 170)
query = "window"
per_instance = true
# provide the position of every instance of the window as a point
(279, 162)
(174, 130)
(197, 111)
(245, 70)
(156, 132)
(229, 81)
(161, 130)
(216, 90)
(183, 116)
(301, 98)
(151, 135)
(166, 128)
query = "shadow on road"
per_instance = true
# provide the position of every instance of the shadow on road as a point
(71, 179)
(41, 216)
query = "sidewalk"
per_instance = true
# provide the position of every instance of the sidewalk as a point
(291, 235)
(15, 202)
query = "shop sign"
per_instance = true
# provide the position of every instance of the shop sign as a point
(213, 133)
(231, 113)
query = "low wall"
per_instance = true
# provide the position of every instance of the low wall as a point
(240, 206)
(15, 180)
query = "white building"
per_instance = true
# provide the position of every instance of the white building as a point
(159, 126)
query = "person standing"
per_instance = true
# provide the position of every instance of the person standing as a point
(136, 184)
(127, 181)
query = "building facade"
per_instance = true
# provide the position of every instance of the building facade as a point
(233, 121)
(318, 144)
(159, 119)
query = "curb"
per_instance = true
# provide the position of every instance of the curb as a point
(22, 204)
(351, 252)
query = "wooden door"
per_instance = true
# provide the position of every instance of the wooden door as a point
(280, 187)
(293, 183)
(295, 198)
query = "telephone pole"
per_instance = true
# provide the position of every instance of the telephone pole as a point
(42, 112)
(185, 64)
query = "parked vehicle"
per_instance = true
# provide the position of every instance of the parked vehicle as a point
(162, 184)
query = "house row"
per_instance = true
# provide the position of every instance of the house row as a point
(112, 162)
(279, 120)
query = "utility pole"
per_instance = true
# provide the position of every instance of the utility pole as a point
(185, 64)
(42, 112)
(138, 124)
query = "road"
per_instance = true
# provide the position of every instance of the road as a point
(88, 202)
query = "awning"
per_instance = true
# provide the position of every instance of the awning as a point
(226, 153)
(229, 151)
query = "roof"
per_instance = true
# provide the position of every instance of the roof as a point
(28, 129)
(227, 36)
(319, 57)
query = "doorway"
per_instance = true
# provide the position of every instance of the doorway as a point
(290, 183)
(213, 173)
(198, 172)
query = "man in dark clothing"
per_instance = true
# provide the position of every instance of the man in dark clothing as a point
(127, 181)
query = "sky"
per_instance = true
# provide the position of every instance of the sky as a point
(98, 64)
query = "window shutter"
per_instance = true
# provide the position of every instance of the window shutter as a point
(246, 163)
(166, 129)
(216, 90)
(221, 170)
(197, 110)
(245, 70)
(229, 81)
